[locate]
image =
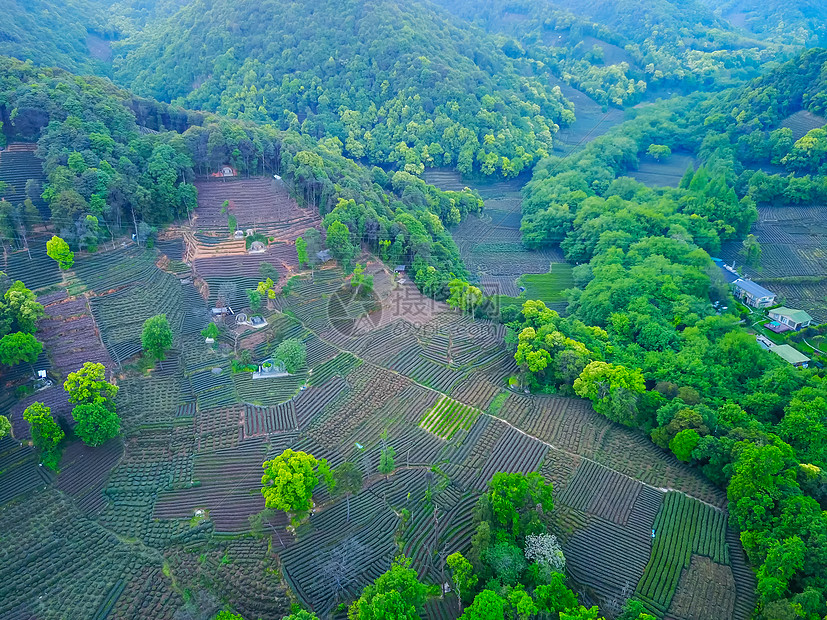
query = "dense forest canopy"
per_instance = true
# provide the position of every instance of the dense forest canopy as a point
(51, 35)
(396, 83)
(644, 275)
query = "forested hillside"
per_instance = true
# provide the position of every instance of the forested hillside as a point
(113, 161)
(644, 274)
(803, 22)
(396, 83)
(617, 51)
(48, 35)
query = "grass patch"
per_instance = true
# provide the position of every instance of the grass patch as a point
(497, 403)
(548, 287)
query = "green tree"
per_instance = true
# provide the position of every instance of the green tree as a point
(507, 561)
(554, 596)
(301, 251)
(635, 610)
(88, 385)
(580, 613)
(659, 151)
(227, 615)
(487, 605)
(386, 461)
(348, 480)
(19, 309)
(19, 347)
(751, 250)
(784, 559)
(613, 389)
(96, 423)
(462, 576)
(361, 279)
(211, 331)
(46, 433)
(76, 163)
(339, 243)
(804, 428)
(301, 614)
(267, 270)
(289, 480)
(232, 223)
(156, 337)
(255, 299)
(684, 443)
(397, 594)
(293, 353)
(522, 605)
(519, 501)
(58, 250)
(5, 426)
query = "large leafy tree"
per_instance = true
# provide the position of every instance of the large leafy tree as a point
(88, 385)
(302, 614)
(58, 250)
(518, 501)
(581, 613)
(293, 352)
(386, 460)
(804, 426)
(46, 433)
(554, 596)
(462, 576)
(339, 243)
(96, 423)
(156, 337)
(19, 309)
(19, 347)
(301, 251)
(487, 605)
(289, 480)
(613, 389)
(684, 443)
(5, 426)
(398, 593)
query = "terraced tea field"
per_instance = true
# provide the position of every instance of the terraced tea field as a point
(666, 172)
(260, 203)
(172, 506)
(803, 121)
(490, 244)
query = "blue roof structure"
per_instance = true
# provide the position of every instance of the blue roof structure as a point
(756, 290)
(729, 273)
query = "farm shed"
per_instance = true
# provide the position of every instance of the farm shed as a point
(791, 355)
(753, 294)
(792, 318)
(226, 171)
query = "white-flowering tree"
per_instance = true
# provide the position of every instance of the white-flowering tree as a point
(545, 550)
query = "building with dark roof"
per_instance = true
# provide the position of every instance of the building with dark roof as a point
(752, 294)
